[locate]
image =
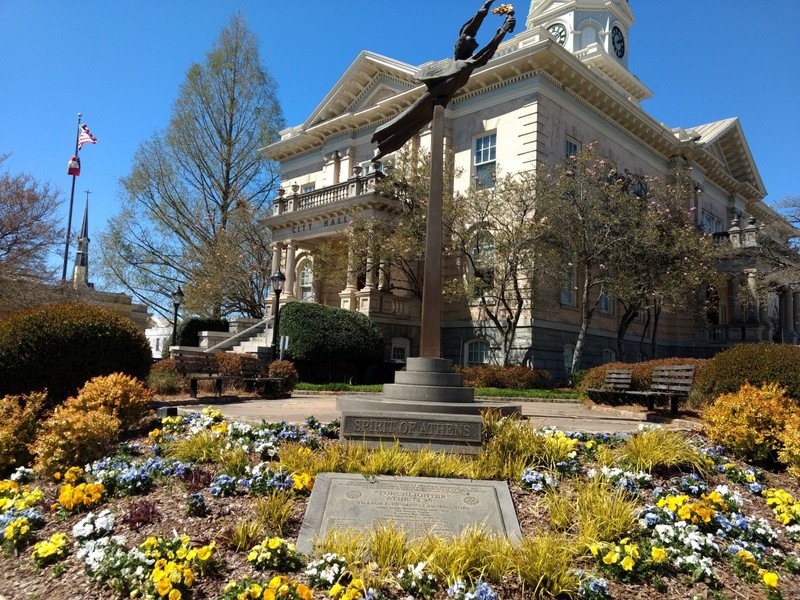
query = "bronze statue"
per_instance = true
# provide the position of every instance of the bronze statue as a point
(443, 78)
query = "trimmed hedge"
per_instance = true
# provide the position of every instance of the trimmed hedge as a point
(330, 343)
(757, 364)
(188, 333)
(512, 377)
(60, 347)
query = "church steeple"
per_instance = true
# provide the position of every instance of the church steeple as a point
(80, 274)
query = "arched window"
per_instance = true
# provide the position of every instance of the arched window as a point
(306, 281)
(476, 352)
(588, 36)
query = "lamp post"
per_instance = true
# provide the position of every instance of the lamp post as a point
(277, 280)
(177, 300)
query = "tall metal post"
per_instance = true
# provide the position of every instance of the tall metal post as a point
(430, 336)
(71, 200)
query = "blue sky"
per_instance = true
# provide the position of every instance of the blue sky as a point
(120, 63)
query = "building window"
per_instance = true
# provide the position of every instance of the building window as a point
(308, 188)
(568, 296)
(606, 303)
(476, 353)
(711, 223)
(572, 147)
(485, 160)
(401, 348)
(609, 355)
(306, 281)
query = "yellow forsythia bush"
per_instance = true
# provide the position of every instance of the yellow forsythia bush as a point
(750, 422)
(18, 415)
(73, 436)
(122, 395)
(790, 452)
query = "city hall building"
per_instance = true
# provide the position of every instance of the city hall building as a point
(556, 84)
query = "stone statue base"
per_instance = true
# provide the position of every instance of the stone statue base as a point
(427, 407)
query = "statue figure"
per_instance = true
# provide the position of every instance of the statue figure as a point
(443, 78)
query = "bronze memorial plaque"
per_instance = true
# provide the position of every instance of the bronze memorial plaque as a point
(421, 505)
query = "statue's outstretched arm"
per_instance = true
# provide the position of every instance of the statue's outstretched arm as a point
(481, 57)
(471, 27)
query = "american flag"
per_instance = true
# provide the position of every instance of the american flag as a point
(85, 137)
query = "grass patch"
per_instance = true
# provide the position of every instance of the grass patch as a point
(485, 392)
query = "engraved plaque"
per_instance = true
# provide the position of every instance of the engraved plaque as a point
(416, 427)
(421, 505)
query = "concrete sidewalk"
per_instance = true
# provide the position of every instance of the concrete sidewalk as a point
(566, 416)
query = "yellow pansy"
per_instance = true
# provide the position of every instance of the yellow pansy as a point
(659, 554)
(770, 579)
(164, 586)
(174, 594)
(627, 563)
(611, 558)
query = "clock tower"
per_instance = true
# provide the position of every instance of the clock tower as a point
(595, 31)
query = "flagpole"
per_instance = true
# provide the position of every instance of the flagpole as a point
(71, 200)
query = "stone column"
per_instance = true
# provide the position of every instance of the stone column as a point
(348, 294)
(288, 288)
(276, 257)
(345, 165)
(383, 280)
(796, 311)
(736, 297)
(752, 295)
(787, 313)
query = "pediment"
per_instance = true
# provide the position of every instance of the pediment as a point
(725, 141)
(370, 79)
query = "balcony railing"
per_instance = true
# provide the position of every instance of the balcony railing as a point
(353, 187)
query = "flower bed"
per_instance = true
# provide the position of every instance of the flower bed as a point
(206, 508)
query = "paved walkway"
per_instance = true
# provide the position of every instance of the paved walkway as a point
(567, 416)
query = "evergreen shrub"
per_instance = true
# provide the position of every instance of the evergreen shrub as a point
(61, 347)
(513, 377)
(286, 370)
(188, 333)
(754, 363)
(330, 343)
(750, 422)
(18, 418)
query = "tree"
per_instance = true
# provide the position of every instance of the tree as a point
(28, 228)
(589, 215)
(196, 192)
(394, 243)
(497, 231)
(666, 261)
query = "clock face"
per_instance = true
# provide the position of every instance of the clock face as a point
(618, 42)
(558, 31)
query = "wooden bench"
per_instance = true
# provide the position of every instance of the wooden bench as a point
(671, 383)
(616, 383)
(197, 366)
